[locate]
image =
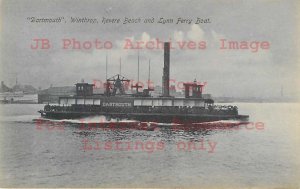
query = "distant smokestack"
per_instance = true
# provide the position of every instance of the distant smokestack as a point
(166, 73)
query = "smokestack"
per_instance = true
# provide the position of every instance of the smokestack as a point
(166, 71)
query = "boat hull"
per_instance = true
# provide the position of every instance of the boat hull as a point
(148, 117)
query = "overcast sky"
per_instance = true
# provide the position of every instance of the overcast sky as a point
(238, 73)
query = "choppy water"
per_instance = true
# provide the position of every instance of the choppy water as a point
(54, 157)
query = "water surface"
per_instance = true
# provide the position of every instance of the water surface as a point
(32, 157)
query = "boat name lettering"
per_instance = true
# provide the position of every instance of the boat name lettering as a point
(116, 104)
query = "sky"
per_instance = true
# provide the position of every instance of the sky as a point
(231, 73)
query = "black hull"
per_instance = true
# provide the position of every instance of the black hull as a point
(154, 117)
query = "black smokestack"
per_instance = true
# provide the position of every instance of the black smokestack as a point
(166, 74)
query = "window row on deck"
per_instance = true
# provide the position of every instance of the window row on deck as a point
(134, 102)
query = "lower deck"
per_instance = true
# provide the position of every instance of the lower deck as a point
(149, 117)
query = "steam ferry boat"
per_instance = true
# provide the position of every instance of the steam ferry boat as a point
(141, 106)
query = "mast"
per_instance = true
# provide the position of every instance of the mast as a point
(138, 80)
(120, 66)
(137, 86)
(106, 67)
(149, 74)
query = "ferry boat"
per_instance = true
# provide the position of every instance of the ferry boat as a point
(141, 106)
